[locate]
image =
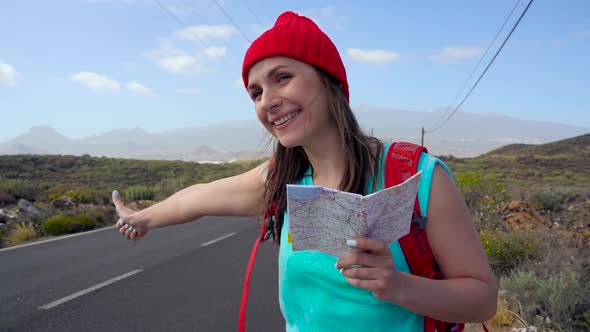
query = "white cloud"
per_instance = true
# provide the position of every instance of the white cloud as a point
(376, 57)
(142, 90)
(179, 64)
(456, 53)
(204, 33)
(215, 52)
(8, 76)
(175, 61)
(189, 91)
(95, 81)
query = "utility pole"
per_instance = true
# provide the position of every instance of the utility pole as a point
(422, 140)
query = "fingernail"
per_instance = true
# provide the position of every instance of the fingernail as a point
(351, 243)
(336, 265)
(127, 226)
(116, 193)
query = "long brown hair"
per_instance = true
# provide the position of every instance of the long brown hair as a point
(290, 164)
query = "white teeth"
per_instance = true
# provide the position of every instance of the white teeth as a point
(285, 118)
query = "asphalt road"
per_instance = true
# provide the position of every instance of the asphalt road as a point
(175, 279)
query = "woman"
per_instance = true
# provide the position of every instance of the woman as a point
(298, 84)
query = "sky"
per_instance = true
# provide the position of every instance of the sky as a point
(85, 67)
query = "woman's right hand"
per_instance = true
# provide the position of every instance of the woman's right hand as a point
(127, 225)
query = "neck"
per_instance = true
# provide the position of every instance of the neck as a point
(326, 155)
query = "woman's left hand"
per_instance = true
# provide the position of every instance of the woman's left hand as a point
(371, 267)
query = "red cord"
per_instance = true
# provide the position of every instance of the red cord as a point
(242, 319)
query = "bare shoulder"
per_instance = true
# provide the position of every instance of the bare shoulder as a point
(451, 232)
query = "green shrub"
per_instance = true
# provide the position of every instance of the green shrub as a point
(99, 218)
(53, 197)
(485, 197)
(552, 200)
(79, 192)
(167, 187)
(506, 251)
(139, 192)
(22, 232)
(83, 223)
(57, 225)
(81, 197)
(103, 216)
(20, 188)
(557, 301)
(64, 224)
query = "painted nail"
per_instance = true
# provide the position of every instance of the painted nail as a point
(116, 193)
(127, 226)
(351, 243)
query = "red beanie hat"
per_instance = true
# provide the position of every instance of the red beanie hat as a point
(299, 38)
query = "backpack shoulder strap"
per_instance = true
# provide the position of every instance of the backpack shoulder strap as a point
(401, 163)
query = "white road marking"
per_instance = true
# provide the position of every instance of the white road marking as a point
(218, 239)
(88, 290)
(55, 239)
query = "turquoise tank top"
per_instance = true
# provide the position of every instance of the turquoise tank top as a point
(314, 296)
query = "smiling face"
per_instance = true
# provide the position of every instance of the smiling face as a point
(290, 100)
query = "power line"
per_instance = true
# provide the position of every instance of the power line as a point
(485, 70)
(232, 21)
(179, 21)
(183, 25)
(188, 5)
(479, 62)
(194, 11)
(252, 11)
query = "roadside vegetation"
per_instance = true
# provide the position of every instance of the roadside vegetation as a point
(530, 204)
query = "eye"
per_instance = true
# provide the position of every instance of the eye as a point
(283, 77)
(256, 94)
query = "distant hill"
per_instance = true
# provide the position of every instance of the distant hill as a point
(570, 146)
(522, 167)
(560, 164)
(466, 135)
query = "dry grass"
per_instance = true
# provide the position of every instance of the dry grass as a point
(22, 232)
(503, 317)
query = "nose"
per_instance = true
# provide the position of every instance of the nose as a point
(270, 99)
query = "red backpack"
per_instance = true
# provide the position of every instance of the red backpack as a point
(400, 165)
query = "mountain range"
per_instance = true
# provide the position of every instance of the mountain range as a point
(465, 135)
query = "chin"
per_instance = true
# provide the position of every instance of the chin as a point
(290, 142)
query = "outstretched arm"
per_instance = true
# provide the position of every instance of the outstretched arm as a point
(239, 195)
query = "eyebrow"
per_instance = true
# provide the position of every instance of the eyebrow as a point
(270, 73)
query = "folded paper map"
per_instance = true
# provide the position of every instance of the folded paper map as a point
(323, 219)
